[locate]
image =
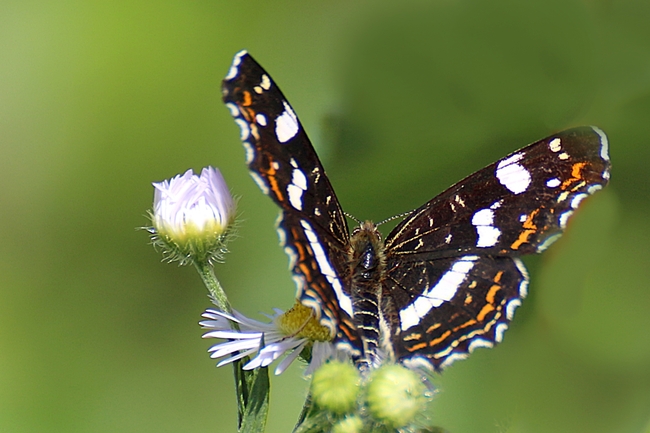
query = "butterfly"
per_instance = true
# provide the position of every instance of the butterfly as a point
(448, 278)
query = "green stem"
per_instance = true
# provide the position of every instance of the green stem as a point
(214, 286)
(251, 386)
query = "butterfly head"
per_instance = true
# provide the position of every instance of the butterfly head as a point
(368, 260)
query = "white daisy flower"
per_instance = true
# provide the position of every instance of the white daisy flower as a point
(288, 334)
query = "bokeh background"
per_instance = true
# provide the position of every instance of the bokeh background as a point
(98, 99)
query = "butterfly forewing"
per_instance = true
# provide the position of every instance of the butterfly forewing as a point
(283, 162)
(279, 154)
(321, 286)
(517, 205)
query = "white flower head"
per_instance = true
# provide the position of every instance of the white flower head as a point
(269, 340)
(192, 216)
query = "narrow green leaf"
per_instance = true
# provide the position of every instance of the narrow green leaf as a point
(256, 404)
(241, 389)
(306, 412)
(316, 422)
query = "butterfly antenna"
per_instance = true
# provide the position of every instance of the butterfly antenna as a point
(394, 217)
(352, 217)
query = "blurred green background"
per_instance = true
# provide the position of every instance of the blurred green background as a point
(98, 99)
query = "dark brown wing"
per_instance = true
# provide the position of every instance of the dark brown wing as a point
(454, 279)
(284, 163)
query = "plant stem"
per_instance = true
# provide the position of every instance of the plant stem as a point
(214, 286)
(252, 386)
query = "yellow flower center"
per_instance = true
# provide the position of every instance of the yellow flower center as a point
(301, 322)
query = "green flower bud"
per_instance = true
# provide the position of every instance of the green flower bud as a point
(335, 387)
(395, 395)
(349, 424)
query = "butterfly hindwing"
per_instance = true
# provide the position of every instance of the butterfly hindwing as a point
(445, 308)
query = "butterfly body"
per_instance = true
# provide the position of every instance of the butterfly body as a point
(367, 266)
(448, 278)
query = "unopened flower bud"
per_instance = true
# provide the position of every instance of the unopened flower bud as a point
(349, 424)
(192, 216)
(335, 387)
(396, 395)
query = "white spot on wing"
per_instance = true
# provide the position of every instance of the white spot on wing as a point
(488, 235)
(513, 176)
(261, 119)
(604, 143)
(286, 124)
(234, 67)
(417, 362)
(479, 342)
(298, 178)
(575, 202)
(234, 111)
(452, 358)
(266, 82)
(548, 241)
(555, 145)
(295, 196)
(564, 218)
(563, 196)
(260, 182)
(296, 188)
(250, 152)
(293, 257)
(484, 217)
(244, 130)
(523, 287)
(553, 183)
(499, 331)
(433, 297)
(511, 307)
(593, 188)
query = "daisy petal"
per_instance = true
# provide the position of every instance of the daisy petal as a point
(289, 359)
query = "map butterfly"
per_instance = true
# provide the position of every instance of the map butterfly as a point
(448, 278)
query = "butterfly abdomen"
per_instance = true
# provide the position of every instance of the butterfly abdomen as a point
(367, 264)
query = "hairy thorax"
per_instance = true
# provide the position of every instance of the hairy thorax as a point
(367, 258)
